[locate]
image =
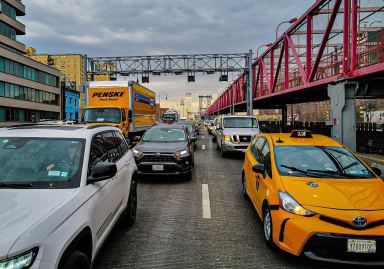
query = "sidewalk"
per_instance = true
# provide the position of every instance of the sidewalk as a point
(373, 160)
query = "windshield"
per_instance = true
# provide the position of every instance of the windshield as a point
(41, 162)
(164, 135)
(240, 123)
(329, 162)
(111, 115)
(169, 116)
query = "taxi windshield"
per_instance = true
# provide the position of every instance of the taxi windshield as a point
(316, 161)
(40, 162)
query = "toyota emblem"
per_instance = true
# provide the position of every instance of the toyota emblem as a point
(359, 222)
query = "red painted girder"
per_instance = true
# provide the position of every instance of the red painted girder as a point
(325, 39)
(297, 59)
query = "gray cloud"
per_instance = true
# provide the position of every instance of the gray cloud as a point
(142, 27)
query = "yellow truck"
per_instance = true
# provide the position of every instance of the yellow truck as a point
(124, 104)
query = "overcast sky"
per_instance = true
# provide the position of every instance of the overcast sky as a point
(152, 27)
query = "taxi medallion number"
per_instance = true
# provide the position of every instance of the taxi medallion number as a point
(158, 167)
(361, 246)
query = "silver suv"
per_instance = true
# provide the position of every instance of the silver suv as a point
(234, 133)
(62, 189)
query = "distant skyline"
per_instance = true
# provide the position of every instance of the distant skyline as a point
(153, 27)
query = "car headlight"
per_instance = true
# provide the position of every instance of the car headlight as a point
(182, 153)
(289, 204)
(227, 138)
(136, 153)
(22, 261)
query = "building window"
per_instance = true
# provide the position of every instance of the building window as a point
(23, 71)
(8, 10)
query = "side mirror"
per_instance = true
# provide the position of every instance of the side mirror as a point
(102, 171)
(377, 171)
(258, 168)
(136, 139)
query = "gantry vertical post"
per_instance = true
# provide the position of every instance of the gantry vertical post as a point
(249, 84)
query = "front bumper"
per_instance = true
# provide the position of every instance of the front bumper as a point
(235, 147)
(321, 240)
(180, 167)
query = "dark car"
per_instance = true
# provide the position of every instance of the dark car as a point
(192, 132)
(164, 150)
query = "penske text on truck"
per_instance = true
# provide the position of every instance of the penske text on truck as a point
(124, 104)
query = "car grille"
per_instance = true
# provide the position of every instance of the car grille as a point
(242, 138)
(241, 147)
(163, 158)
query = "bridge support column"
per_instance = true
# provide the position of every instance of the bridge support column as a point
(284, 114)
(343, 111)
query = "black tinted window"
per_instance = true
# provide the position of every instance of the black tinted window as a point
(121, 143)
(111, 146)
(98, 152)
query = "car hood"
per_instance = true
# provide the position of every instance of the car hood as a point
(22, 208)
(162, 147)
(343, 194)
(241, 131)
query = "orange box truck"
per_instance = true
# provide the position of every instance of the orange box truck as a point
(123, 104)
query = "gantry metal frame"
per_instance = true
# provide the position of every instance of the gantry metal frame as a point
(175, 64)
(167, 64)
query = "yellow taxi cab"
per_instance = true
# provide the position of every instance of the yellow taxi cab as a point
(315, 198)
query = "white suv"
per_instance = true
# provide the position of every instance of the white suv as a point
(62, 189)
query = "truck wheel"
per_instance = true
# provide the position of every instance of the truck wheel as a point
(130, 214)
(77, 260)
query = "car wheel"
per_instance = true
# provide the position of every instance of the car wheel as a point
(268, 227)
(217, 146)
(213, 139)
(130, 214)
(244, 187)
(222, 152)
(77, 260)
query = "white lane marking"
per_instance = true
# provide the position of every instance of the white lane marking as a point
(205, 202)
(203, 147)
(202, 137)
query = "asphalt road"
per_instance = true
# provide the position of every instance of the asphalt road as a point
(170, 231)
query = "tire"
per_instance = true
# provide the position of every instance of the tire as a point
(188, 176)
(222, 152)
(77, 260)
(244, 187)
(268, 227)
(130, 214)
(217, 146)
(213, 139)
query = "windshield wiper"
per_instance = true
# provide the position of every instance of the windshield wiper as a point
(329, 172)
(15, 185)
(295, 169)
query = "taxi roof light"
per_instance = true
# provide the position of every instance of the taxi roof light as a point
(301, 134)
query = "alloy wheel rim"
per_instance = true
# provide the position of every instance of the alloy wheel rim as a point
(267, 225)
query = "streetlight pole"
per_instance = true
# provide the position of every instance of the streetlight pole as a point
(257, 50)
(290, 22)
(159, 96)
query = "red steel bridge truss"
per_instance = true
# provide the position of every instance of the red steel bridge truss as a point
(334, 40)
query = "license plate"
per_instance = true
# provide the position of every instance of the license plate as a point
(361, 246)
(158, 167)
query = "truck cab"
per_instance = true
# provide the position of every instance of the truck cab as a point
(114, 116)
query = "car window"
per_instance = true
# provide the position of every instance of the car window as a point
(111, 146)
(121, 143)
(257, 148)
(41, 162)
(266, 158)
(98, 152)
